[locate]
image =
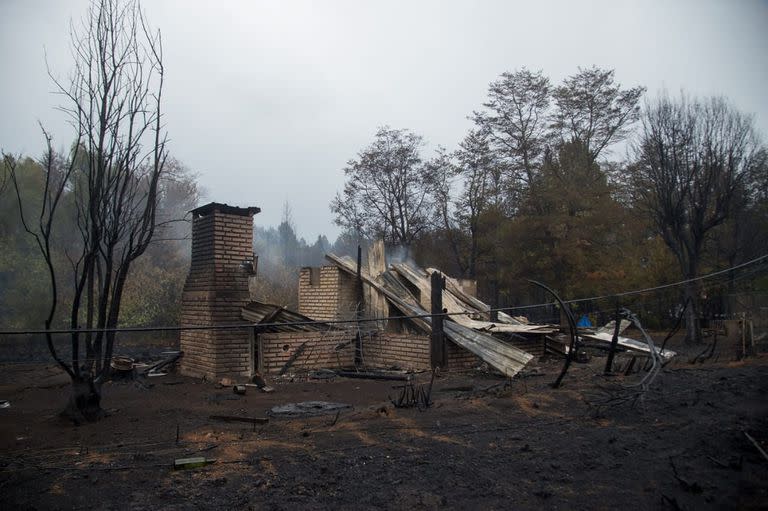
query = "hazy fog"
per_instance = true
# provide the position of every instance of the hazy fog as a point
(267, 100)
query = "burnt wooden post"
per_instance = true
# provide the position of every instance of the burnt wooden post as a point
(494, 300)
(253, 361)
(360, 308)
(614, 341)
(437, 345)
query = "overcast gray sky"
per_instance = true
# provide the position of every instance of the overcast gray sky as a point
(268, 100)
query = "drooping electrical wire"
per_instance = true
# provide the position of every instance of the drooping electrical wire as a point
(242, 326)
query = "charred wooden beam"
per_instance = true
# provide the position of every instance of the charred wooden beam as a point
(437, 337)
(360, 308)
(233, 418)
(294, 357)
(373, 376)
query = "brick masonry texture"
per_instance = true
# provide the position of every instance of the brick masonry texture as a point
(411, 352)
(408, 352)
(217, 288)
(533, 345)
(380, 350)
(319, 350)
(332, 296)
(215, 291)
(459, 358)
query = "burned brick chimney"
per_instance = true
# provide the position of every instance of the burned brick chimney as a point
(216, 289)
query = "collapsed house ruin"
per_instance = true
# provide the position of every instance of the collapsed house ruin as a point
(351, 313)
(216, 294)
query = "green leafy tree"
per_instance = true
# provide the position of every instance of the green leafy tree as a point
(543, 142)
(289, 242)
(569, 231)
(23, 280)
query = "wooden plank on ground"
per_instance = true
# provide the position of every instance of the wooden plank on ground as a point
(234, 418)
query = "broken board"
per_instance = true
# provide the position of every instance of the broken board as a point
(501, 356)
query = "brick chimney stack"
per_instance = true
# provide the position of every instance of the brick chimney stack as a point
(215, 291)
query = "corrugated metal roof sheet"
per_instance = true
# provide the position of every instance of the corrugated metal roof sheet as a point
(257, 312)
(498, 354)
(457, 304)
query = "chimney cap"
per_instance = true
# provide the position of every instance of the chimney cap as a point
(224, 208)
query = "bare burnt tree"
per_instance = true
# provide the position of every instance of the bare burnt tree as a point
(112, 176)
(693, 158)
(744, 234)
(386, 191)
(5, 174)
(592, 109)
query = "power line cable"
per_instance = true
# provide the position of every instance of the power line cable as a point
(645, 290)
(241, 326)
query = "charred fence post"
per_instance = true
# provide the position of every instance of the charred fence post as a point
(360, 308)
(494, 315)
(437, 347)
(614, 341)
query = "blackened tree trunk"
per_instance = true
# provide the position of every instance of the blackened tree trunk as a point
(84, 403)
(111, 181)
(692, 318)
(692, 158)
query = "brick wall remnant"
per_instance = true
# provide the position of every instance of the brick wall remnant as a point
(334, 349)
(327, 293)
(215, 291)
(408, 352)
(321, 350)
(457, 358)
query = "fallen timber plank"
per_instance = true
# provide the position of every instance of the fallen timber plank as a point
(296, 354)
(460, 311)
(757, 445)
(501, 348)
(168, 360)
(367, 375)
(377, 264)
(233, 418)
(196, 462)
(499, 355)
(503, 357)
(453, 287)
(398, 297)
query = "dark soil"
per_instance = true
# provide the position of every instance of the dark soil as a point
(500, 445)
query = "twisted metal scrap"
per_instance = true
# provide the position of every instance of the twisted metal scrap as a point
(412, 396)
(646, 380)
(632, 392)
(571, 328)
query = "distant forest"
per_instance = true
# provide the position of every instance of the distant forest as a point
(585, 185)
